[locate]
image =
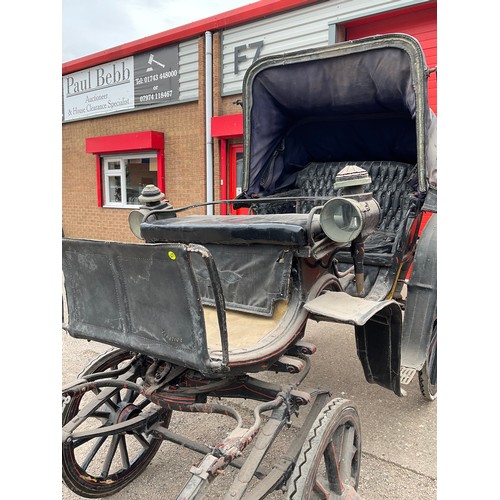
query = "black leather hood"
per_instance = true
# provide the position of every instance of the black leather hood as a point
(364, 100)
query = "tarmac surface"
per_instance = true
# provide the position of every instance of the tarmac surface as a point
(399, 435)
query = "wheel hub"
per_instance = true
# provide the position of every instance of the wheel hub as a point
(125, 412)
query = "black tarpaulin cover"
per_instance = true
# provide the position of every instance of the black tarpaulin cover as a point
(253, 277)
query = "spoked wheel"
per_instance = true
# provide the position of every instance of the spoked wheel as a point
(427, 376)
(95, 467)
(328, 465)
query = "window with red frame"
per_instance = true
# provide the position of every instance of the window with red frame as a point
(125, 176)
(125, 163)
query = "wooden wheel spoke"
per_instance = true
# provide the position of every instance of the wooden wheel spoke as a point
(103, 416)
(347, 452)
(142, 440)
(124, 452)
(130, 396)
(90, 456)
(320, 490)
(110, 455)
(332, 463)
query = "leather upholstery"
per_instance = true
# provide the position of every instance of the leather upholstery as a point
(393, 185)
(281, 229)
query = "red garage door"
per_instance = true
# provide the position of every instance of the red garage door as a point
(418, 21)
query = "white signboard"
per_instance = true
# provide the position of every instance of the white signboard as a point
(99, 90)
(144, 80)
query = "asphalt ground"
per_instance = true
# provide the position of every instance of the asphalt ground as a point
(399, 435)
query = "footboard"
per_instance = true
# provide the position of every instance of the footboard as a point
(143, 298)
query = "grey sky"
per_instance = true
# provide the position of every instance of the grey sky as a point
(90, 26)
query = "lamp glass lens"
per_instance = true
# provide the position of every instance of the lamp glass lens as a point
(341, 220)
(134, 220)
(347, 217)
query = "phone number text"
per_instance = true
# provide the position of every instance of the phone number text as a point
(157, 76)
(167, 94)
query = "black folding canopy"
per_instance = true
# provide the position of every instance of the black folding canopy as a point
(360, 100)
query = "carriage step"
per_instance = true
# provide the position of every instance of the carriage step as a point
(343, 308)
(407, 374)
(287, 364)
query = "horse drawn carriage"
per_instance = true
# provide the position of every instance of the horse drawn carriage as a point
(339, 169)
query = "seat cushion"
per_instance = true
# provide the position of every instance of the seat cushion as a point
(277, 229)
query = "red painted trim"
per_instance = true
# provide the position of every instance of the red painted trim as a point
(228, 126)
(234, 17)
(98, 176)
(233, 150)
(160, 178)
(122, 143)
(224, 128)
(223, 175)
(135, 141)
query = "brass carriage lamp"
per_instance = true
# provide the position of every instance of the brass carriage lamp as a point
(151, 198)
(352, 216)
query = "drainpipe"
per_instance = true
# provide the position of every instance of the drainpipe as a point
(208, 122)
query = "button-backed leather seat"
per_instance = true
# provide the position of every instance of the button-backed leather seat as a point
(393, 186)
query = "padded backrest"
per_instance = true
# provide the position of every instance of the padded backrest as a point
(392, 185)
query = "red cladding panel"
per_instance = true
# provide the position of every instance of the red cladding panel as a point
(419, 22)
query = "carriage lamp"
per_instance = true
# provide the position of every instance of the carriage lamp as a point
(151, 198)
(352, 216)
(354, 212)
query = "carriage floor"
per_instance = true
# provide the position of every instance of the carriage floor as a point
(244, 329)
